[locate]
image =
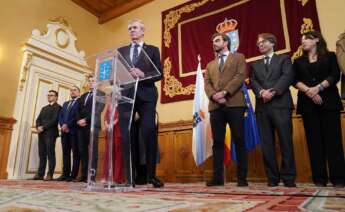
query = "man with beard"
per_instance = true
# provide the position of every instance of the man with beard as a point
(223, 82)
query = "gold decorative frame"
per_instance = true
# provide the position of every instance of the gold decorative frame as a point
(303, 2)
(174, 16)
(307, 26)
(172, 86)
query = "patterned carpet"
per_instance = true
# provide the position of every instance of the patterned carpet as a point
(32, 196)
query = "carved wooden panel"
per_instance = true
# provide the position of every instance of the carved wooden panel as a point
(6, 127)
(176, 139)
(177, 163)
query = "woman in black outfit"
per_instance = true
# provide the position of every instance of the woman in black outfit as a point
(317, 73)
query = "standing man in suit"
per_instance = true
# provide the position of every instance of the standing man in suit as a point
(145, 60)
(47, 128)
(83, 117)
(223, 82)
(270, 80)
(69, 141)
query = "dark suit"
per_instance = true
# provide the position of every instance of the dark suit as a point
(322, 123)
(145, 103)
(69, 140)
(84, 111)
(48, 118)
(275, 115)
(230, 79)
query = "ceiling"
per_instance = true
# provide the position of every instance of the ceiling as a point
(106, 10)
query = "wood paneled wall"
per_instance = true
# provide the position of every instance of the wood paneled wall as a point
(6, 127)
(177, 162)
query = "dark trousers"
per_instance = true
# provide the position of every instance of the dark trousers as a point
(69, 143)
(323, 132)
(46, 150)
(270, 119)
(234, 117)
(84, 145)
(147, 114)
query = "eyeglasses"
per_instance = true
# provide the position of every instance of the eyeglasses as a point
(51, 95)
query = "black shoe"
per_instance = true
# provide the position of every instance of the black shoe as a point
(157, 183)
(242, 184)
(70, 179)
(215, 183)
(37, 177)
(272, 184)
(49, 178)
(320, 184)
(140, 181)
(338, 185)
(290, 184)
(80, 179)
(62, 178)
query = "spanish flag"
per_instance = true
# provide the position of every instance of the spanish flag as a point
(227, 145)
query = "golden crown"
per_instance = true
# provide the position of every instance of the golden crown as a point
(227, 26)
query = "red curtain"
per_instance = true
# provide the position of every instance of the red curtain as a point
(187, 31)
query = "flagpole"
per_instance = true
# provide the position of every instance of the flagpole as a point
(224, 174)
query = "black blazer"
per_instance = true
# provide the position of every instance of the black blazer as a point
(48, 118)
(84, 109)
(143, 63)
(326, 69)
(279, 77)
(146, 88)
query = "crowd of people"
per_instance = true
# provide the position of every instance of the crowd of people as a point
(315, 75)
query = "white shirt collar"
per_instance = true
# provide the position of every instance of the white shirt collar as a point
(226, 53)
(141, 43)
(270, 55)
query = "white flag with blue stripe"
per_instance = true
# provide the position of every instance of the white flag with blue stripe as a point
(202, 136)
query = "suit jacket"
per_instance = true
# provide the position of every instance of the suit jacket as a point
(143, 63)
(326, 69)
(69, 117)
(48, 118)
(84, 109)
(230, 79)
(279, 77)
(341, 61)
(146, 88)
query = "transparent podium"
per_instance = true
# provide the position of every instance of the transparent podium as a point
(115, 89)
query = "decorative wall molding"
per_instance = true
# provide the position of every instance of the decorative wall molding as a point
(6, 127)
(51, 60)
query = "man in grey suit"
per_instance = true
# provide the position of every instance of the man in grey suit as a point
(270, 80)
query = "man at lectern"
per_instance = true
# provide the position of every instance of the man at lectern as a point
(145, 59)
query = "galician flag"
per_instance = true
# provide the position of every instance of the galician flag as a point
(202, 136)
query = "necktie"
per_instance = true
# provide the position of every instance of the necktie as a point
(135, 54)
(89, 95)
(221, 62)
(267, 63)
(69, 106)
